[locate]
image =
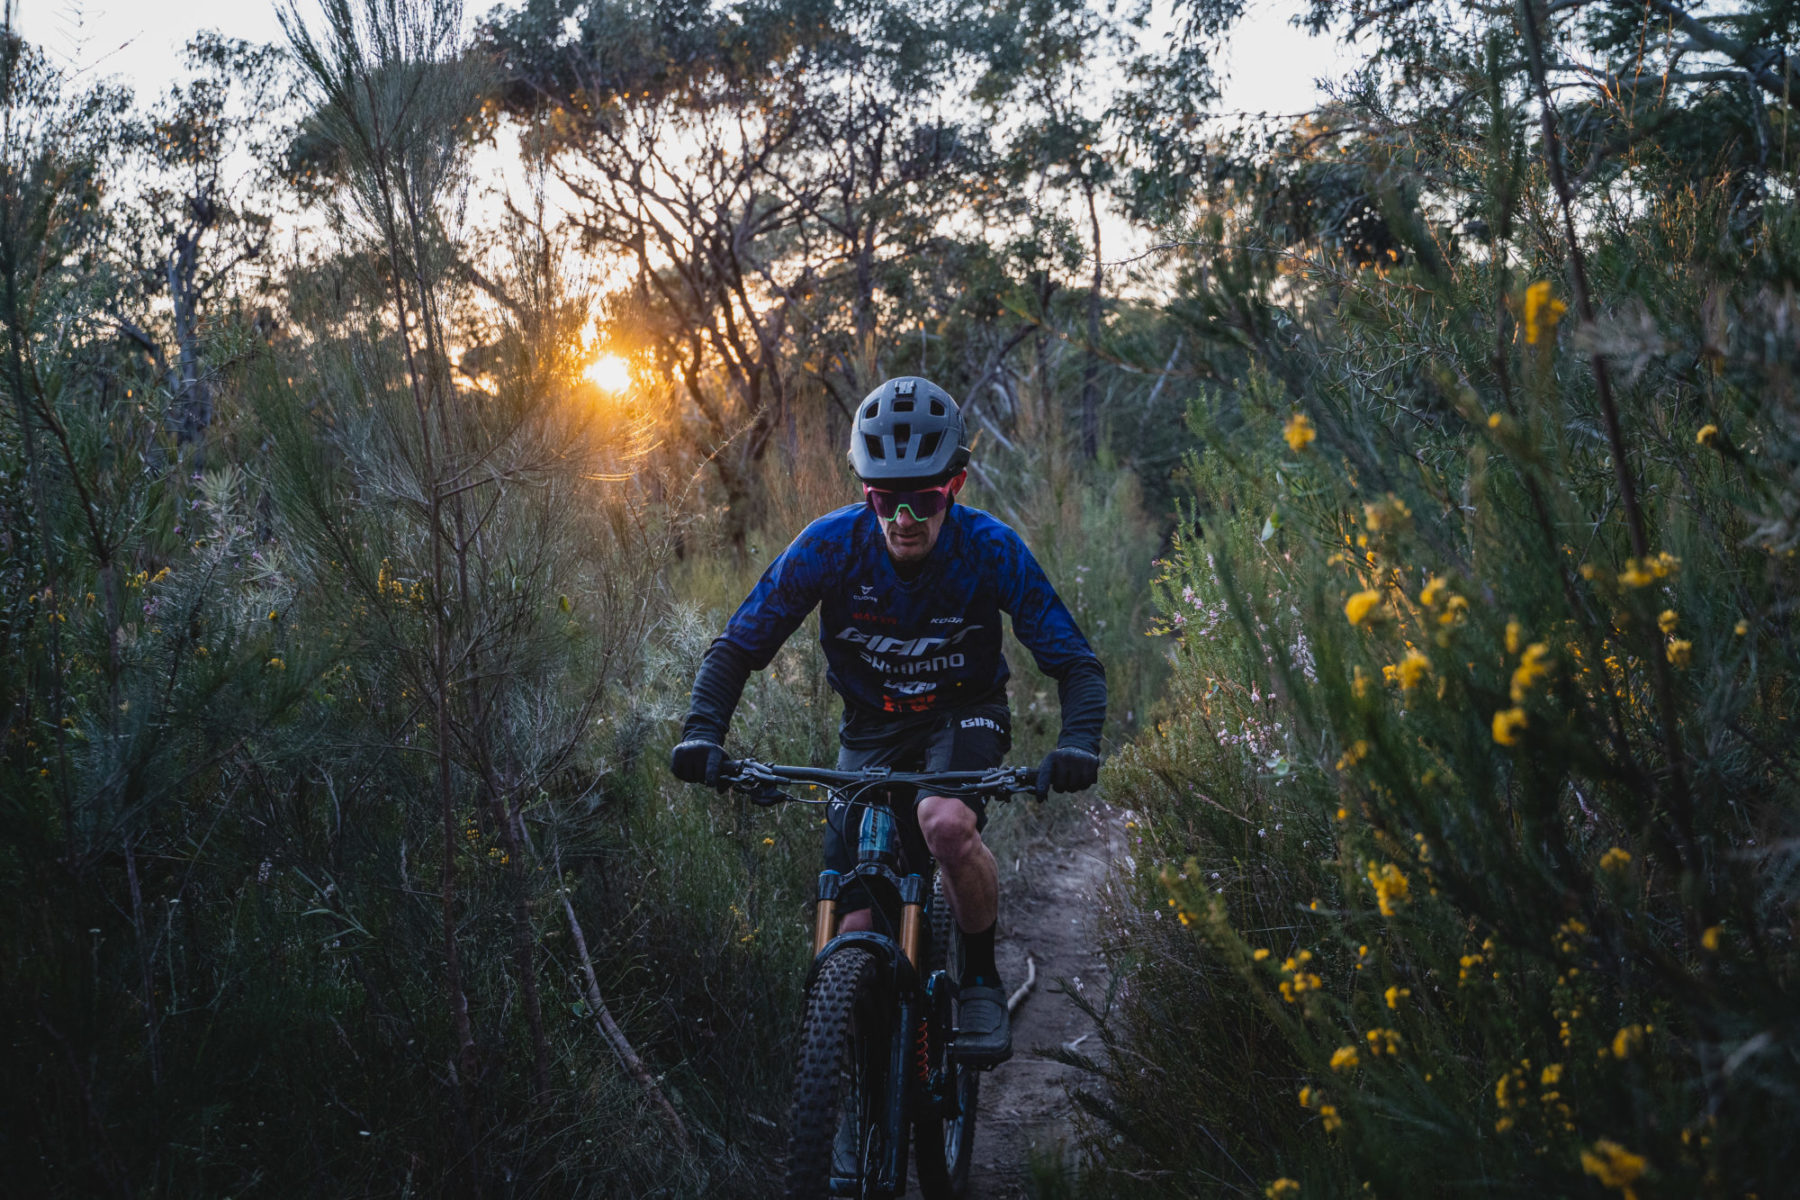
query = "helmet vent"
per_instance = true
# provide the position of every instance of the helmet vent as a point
(873, 411)
(903, 406)
(937, 408)
(902, 435)
(874, 445)
(928, 443)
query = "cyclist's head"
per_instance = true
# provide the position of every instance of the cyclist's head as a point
(907, 447)
(908, 435)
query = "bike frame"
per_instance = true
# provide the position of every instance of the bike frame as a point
(918, 1002)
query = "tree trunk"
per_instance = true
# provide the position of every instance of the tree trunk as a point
(1090, 362)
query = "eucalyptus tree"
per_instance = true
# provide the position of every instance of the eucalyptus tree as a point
(199, 216)
(794, 192)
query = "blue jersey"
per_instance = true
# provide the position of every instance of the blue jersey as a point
(918, 645)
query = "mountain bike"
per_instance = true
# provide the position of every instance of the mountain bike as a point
(877, 1063)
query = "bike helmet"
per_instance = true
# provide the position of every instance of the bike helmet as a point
(908, 433)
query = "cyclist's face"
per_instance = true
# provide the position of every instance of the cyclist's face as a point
(909, 539)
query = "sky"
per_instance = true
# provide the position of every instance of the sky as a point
(1272, 65)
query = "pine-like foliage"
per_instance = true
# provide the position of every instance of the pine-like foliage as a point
(1478, 786)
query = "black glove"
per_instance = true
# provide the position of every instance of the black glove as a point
(1067, 770)
(697, 761)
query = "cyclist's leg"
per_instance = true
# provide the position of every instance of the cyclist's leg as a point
(972, 739)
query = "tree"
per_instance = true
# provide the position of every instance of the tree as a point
(201, 216)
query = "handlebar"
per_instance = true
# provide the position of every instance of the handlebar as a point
(763, 781)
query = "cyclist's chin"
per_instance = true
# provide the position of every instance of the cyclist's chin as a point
(909, 549)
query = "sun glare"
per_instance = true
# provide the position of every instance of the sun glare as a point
(609, 373)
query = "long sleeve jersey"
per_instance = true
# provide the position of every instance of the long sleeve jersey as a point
(904, 649)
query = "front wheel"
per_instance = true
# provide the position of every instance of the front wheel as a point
(837, 1129)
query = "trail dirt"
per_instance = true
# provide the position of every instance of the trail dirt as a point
(1053, 881)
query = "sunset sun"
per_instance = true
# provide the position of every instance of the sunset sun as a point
(609, 373)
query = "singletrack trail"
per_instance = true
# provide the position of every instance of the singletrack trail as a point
(1052, 887)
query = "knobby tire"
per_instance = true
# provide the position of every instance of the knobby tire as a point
(843, 1041)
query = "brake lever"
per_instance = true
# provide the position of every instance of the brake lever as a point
(765, 795)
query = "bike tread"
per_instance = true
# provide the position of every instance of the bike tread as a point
(824, 1040)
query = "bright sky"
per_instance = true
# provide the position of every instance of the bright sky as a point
(1272, 65)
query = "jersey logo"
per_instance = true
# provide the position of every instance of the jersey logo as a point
(866, 595)
(913, 688)
(982, 723)
(881, 643)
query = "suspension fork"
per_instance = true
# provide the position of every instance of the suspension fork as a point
(900, 1089)
(825, 915)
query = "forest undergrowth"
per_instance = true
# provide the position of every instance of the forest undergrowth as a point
(1428, 490)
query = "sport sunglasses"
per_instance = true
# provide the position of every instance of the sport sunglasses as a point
(922, 505)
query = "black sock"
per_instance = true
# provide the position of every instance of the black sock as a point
(978, 959)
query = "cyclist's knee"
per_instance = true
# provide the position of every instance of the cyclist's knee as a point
(949, 828)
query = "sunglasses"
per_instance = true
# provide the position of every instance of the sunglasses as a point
(922, 505)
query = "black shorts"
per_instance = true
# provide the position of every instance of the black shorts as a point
(968, 739)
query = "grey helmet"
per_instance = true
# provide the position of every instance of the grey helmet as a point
(908, 432)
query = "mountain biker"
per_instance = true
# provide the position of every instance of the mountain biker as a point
(910, 587)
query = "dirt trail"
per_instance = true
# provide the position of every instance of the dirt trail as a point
(1051, 887)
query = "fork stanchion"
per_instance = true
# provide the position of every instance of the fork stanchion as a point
(826, 913)
(912, 911)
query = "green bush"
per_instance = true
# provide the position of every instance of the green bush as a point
(1484, 814)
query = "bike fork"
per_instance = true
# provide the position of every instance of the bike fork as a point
(899, 1089)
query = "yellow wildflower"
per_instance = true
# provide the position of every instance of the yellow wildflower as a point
(1391, 513)
(1307, 1096)
(1392, 888)
(1395, 994)
(1494, 420)
(1383, 1041)
(1710, 938)
(1707, 434)
(1433, 593)
(1299, 432)
(1282, 1189)
(1360, 684)
(1552, 1075)
(1614, 1166)
(1627, 1039)
(1343, 814)
(1328, 1115)
(1260, 953)
(1615, 859)
(1357, 607)
(1741, 628)
(1534, 665)
(277, 664)
(1345, 1058)
(1681, 652)
(1455, 608)
(1413, 669)
(1668, 620)
(1542, 311)
(1507, 724)
(1515, 636)
(768, 841)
